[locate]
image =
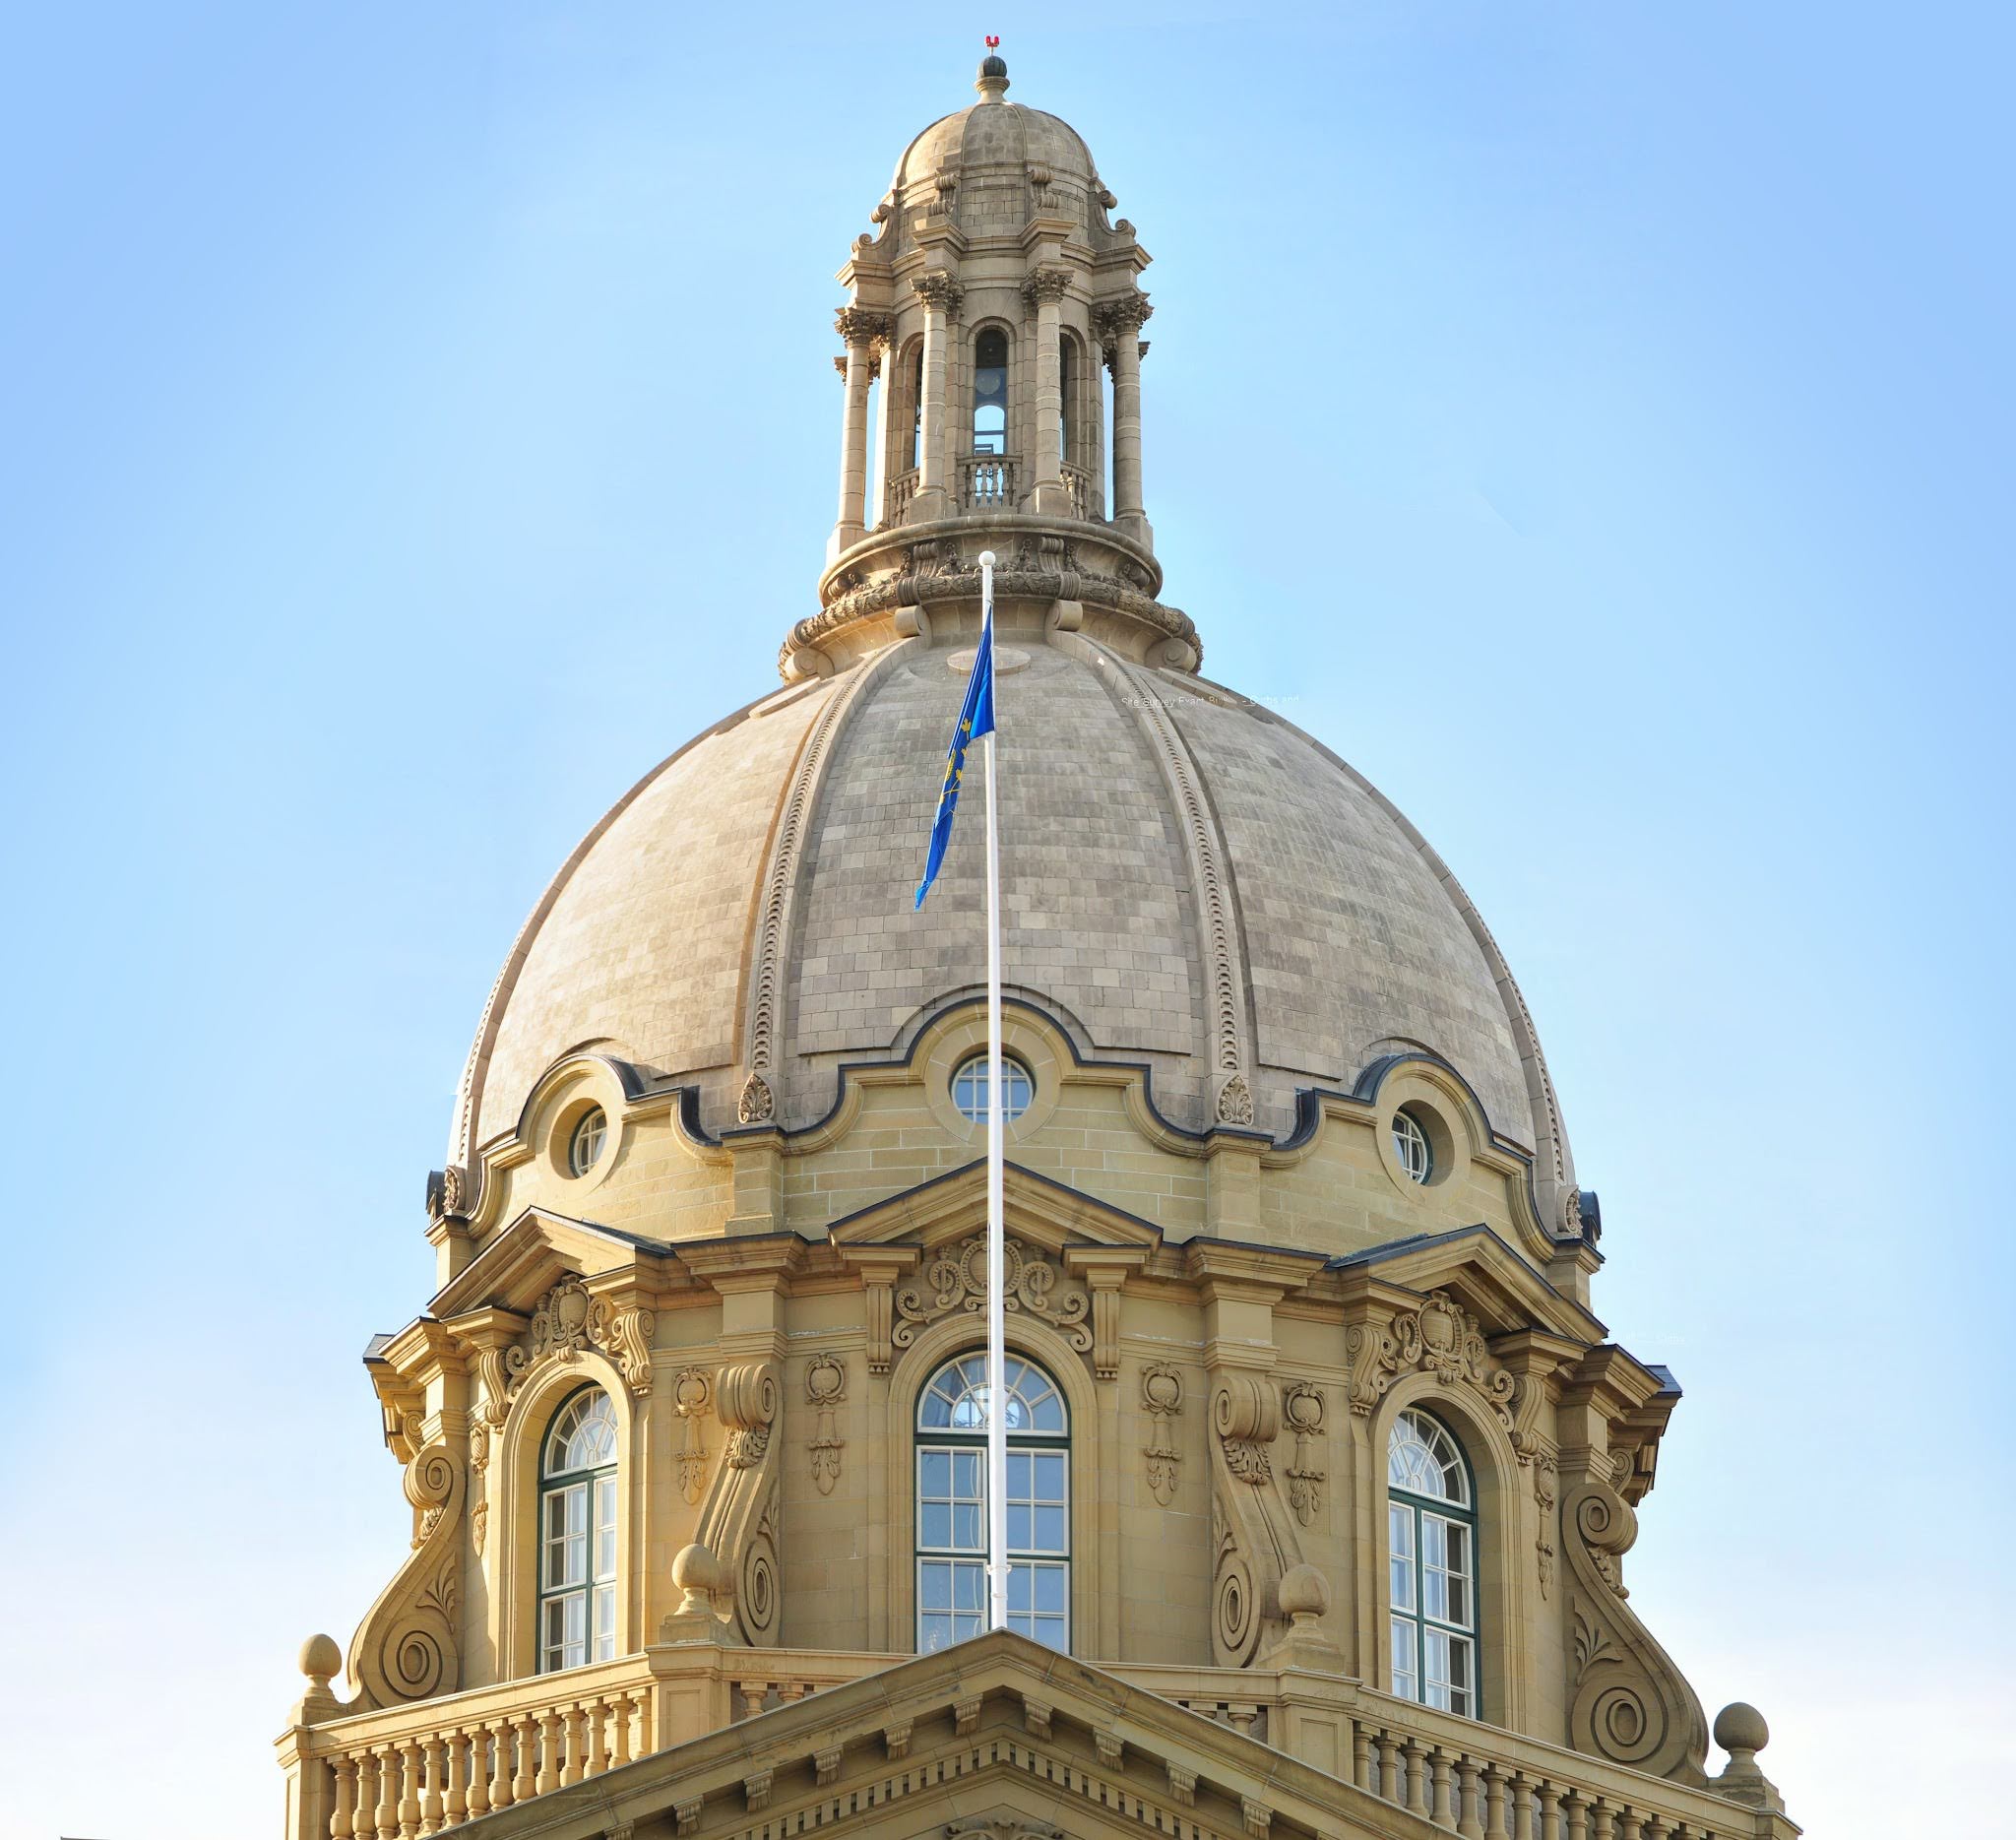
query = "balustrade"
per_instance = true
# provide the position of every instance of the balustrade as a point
(987, 481)
(413, 1771)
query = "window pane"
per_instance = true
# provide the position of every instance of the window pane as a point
(1049, 1531)
(1405, 1672)
(1400, 1541)
(934, 1524)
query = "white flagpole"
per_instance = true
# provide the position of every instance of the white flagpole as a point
(997, 1257)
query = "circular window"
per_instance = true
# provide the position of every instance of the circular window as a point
(1411, 1146)
(585, 1147)
(969, 1088)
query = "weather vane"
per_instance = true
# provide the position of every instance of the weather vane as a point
(993, 41)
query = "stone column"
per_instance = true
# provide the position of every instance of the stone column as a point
(1043, 290)
(860, 330)
(941, 295)
(1120, 326)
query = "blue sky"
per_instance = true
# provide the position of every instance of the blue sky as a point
(1594, 421)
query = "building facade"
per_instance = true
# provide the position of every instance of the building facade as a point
(1322, 1466)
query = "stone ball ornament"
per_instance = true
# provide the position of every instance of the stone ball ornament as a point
(321, 1658)
(1739, 1729)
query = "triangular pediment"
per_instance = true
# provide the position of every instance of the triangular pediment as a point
(1046, 1213)
(1486, 1275)
(996, 1738)
(526, 1258)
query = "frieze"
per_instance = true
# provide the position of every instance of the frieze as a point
(1442, 1338)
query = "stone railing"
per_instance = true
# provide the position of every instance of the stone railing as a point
(986, 482)
(1086, 496)
(414, 1770)
(902, 489)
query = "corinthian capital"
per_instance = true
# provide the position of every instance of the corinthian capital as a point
(939, 291)
(1046, 284)
(1118, 319)
(859, 326)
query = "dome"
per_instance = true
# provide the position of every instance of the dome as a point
(1164, 842)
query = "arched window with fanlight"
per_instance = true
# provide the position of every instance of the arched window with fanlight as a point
(1431, 1564)
(952, 1504)
(578, 1533)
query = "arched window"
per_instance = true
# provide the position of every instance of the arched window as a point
(952, 1504)
(990, 392)
(916, 407)
(1432, 1560)
(578, 1534)
(1067, 384)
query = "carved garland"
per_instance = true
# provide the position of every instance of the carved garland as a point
(692, 1393)
(1162, 1397)
(826, 1389)
(1303, 1406)
(956, 1279)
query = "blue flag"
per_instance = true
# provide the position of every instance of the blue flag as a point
(975, 718)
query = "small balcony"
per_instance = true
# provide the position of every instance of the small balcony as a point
(428, 1767)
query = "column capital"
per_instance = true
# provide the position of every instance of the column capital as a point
(861, 324)
(1046, 284)
(1115, 320)
(939, 291)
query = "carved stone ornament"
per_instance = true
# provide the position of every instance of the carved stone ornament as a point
(1303, 1406)
(939, 292)
(1161, 1398)
(1247, 1415)
(956, 1279)
(1001, 1827)
(447, 1193)
(826, 1389)
(757, 1105)
(1443, 1337)
(860, 326)
(1236, 1101)
(1546, 1474)
(692, 1390)
(569, 1319)
(745, 1399)
(1631, 1705)
(1050, 284)
(405, 1648)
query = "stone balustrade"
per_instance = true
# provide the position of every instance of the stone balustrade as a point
(986, 482)
(415, 1770)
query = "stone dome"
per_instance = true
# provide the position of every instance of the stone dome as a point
(1176, 863)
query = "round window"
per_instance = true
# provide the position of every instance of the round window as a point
(585, 1147)
(1411, 1146)
(969, 1088)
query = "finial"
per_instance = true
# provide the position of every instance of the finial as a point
(993, 78)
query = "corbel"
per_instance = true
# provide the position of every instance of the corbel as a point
(879, 1267)
(1104, 1271)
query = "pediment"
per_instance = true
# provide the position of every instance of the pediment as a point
(1049, 1214)
(526, 1258)
(995, 1738)
(1488, 1277)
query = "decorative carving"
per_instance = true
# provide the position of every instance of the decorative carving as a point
(756, 1105)
(687, 1814)
(1112, 1747)
(1046, 284)
(447, 1193)
(1182, 1783)
(1000, 1828)
(1035, 1716)
(860, 326)
(956, 1279)
(1247, 1415)
(746, 1404)
(1258, 1817)
(1162, 1397)
(756, 1790)
(479, 1526)
(1442, 1337)
(965, 1716)
(1303, 1406)
(826, 1765)
(895, 1739)
(1236, 1101)
(939, 291)
(692, 1389)
(1631, 1704)
(405, 1647)
(568, 1320)
(825, 1389)
(1544, 1472)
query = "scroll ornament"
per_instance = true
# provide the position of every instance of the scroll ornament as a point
(1631, 1704)
(407, 1648)
(826, 1389)
(1247, 1415)
(746, 1400)
(569, 1319)
(740, 1523)
(956, 1279)
(1441, 1337)
(1161, 1398)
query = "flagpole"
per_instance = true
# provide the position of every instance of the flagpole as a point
(998, 1252)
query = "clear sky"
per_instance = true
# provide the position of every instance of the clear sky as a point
(1594, 421)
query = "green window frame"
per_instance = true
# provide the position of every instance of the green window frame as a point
(1431, 1566)
(951, 1501)
(577, 1549)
